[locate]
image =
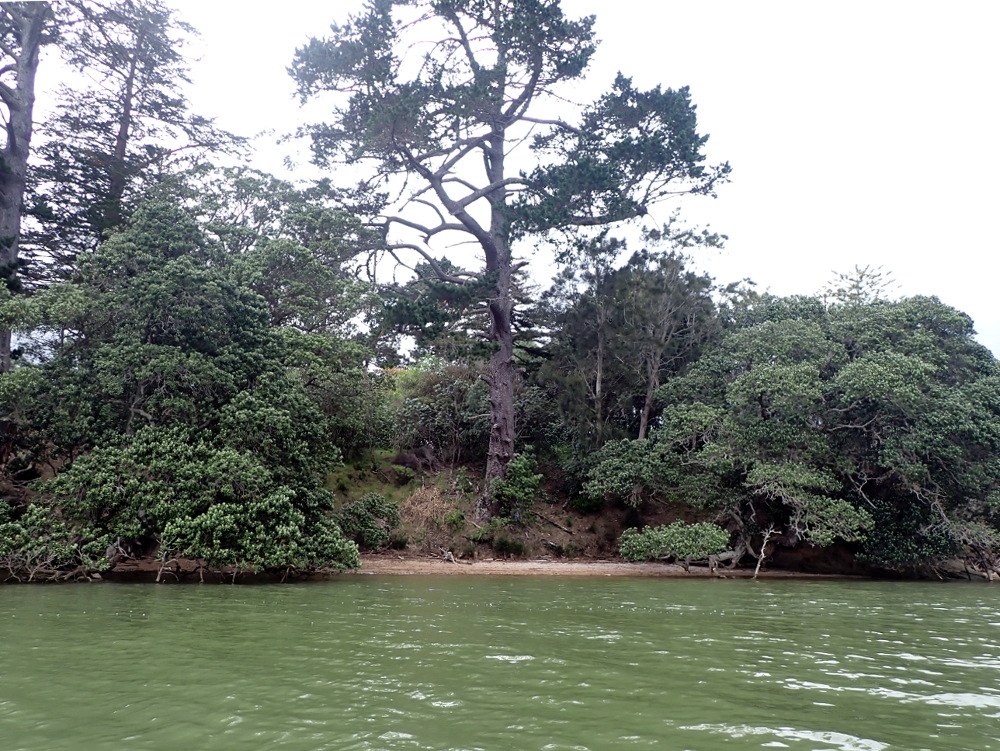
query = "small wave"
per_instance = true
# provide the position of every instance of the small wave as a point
(841, 741)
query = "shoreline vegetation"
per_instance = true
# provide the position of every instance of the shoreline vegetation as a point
(188, 571)
(210, 369)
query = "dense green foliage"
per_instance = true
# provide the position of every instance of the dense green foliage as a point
(685, 542)
(186, 424)
(201, 348)
(520, 488)
(369, 521)
(876, 423)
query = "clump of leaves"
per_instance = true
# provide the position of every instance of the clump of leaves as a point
(685, 542)
(36, 545)
(455, 519)
(520, 486)
(398, 540)
(490, 531)
(174, 490)
(369, 521)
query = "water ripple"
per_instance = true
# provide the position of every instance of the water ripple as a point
(489, 665)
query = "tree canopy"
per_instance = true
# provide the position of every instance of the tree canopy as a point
(875, 423)
(485, 81)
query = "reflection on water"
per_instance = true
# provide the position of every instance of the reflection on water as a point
(493, 663)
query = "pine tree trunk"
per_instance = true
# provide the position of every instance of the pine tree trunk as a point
(501, 377)
(118, 169)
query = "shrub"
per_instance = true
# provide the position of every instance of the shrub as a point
(686, 542)
(507, 547)
(521, 485)
(490, 531)
(173, 490)
(587, 504)
(369, 520)
(455, 519)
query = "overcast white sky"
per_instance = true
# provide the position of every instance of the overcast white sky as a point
(860, 132)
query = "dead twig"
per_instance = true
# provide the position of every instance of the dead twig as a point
(763, 550)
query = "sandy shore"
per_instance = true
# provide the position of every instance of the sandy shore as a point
(390, 565)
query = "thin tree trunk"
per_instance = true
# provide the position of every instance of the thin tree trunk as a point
(647, 408)
(599, 378)
(652, 383)
(117, 178)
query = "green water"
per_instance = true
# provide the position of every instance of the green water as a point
(501, 664)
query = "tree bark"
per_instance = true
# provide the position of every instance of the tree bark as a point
(652, 383)
(502, 376)
(599, 377)
(29, 19)
(117, 170)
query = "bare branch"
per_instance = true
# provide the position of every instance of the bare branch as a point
(486, 241)
(452, 16)
(9, 96)
(485, 191)
(441, 274)
(460, 181)
(471, 145)
(558, 123)
(472, 141)
(520, 103)
(431, 205)
(428, 232)
(12, 10)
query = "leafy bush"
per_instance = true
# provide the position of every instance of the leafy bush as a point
(38, 546)
(507, 547)
(904, 537)
(398, 540)
(491, 530)
(173, 490)
(369, 521)
(620, 474)
(520, 486)
(184, 423)
(455, 519)
(685, 542)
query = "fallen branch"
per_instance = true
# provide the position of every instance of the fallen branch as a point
(554, 523)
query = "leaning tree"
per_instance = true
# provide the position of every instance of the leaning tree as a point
(436, 96)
